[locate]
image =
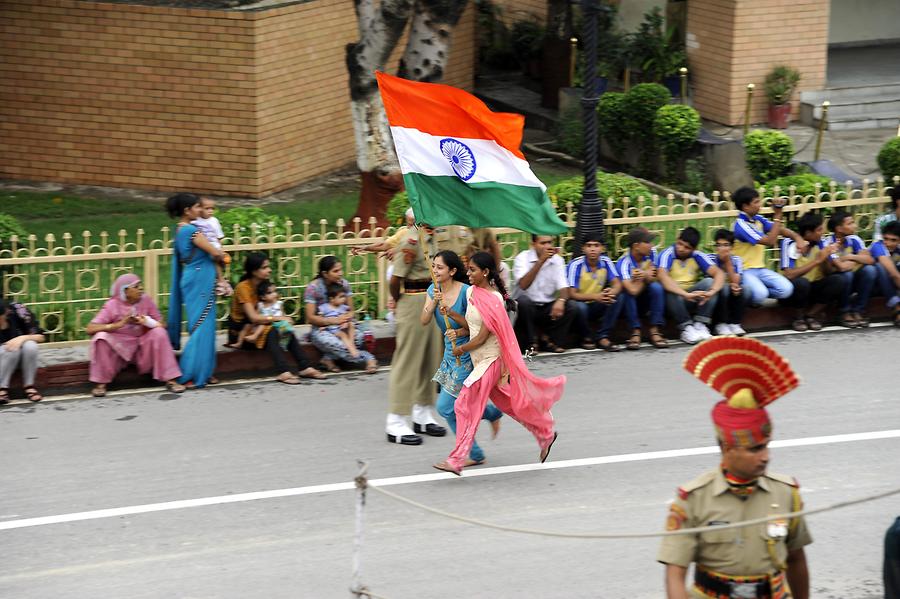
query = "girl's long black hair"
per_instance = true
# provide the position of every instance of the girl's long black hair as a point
(485, 261)
(326, 263)
(253, 262)
(452, 260)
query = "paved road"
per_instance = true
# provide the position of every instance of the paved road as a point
(76, 456)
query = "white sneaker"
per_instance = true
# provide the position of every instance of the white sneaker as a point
(423, 415)
(701, 330)
(689, 335)
(738, 330)
(723, 329)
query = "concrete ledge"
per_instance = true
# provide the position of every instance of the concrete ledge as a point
(72, 376)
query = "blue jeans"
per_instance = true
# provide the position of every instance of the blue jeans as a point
(588, 311)
(730, 307)
(860, 283)
(445, 404)
(680, 309)
(887, 287)
(764, 283)
(652, 300)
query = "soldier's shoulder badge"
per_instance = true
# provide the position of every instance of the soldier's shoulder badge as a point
(677, 517)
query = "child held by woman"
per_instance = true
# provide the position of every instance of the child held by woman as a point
(270, 304)
(336, 307)
(211, 228)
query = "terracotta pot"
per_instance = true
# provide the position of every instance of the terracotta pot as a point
(779, 115)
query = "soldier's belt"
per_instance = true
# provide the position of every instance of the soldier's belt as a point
(723, 586)
(416, 286)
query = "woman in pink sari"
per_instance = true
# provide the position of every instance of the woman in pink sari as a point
(499, 372)
(130, 329)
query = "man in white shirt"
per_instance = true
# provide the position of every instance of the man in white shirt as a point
(542, 291)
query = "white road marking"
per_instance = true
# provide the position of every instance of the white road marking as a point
(420, 478)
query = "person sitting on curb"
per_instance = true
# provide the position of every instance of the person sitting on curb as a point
(692, 282)
(542, 293)
(644, 293)
(886, 253)
(752, 234)
(857, 266)
(596, 288)
(816, 282)
(891, 217)
(20, 334)
(734, 296)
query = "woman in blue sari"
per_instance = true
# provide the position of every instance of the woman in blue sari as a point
(450, 274)
(193, 284)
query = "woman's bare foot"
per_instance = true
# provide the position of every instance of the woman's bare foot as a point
(288, 378)
(371, 367)
(495, 428)
(329, 365)
(99, 390)
(446, 467)
(311, 373)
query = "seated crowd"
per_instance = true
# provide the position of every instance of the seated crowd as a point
(702, 294)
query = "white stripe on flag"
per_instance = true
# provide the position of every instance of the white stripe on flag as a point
(421, 153)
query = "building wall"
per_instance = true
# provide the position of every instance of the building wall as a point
(735, 42)
(221, 102)
(872, 20)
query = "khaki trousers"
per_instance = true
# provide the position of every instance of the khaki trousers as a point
(416, 357)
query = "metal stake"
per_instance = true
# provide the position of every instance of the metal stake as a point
(358, 589)
(750, 87)
(682, 73)
(823, 124)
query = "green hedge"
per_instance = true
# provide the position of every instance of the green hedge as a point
(641, 103)
(10, 226)
(611, 122)
(609, 185)
(676, 126)
(889, 160)
(805, 184)
(769, 154)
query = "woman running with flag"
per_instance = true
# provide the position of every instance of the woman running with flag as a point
(499, 372)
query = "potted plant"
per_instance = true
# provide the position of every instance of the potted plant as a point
(779, 86)
(657, 52)
(528, 43)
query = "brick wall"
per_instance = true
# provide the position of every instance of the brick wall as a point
(735, 42)
(221, 102)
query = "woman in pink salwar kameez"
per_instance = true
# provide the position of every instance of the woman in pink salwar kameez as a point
(130, 330)
(499, 372)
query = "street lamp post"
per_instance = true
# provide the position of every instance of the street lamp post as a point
(590, 212)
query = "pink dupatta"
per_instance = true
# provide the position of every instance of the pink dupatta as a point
(526, 391)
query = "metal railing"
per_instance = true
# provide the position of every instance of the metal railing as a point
(65, 282)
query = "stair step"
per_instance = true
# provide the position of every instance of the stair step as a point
(872, 121)
(837, 95)
(873, 106)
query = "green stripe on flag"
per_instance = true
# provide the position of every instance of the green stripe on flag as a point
(442, 201)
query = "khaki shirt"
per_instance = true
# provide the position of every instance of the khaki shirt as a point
(409, 259)
(482, 240)
(706, 501)
(454, 237)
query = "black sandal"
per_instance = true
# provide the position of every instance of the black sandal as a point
(4, 396)
(606, 345)
(553, 348)
(32, 394)
(658, 341)
(634, 342)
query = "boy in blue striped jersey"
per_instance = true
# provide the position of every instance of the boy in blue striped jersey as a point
(644, 295)
(595, 286)
(734, 296)
(857, 266)
(886, 253)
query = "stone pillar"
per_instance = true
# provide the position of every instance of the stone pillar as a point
(731, 43)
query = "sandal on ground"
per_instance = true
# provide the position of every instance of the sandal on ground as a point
(329, 365)
(545, 452)
(171, 387)
(288, 378)
(212, 381)
(861, 320)
(553, 348)
(634, 342)
(32, 394)
(448, 468)
(846, 320)
(588, 344)
(311, 373)
(232, 345)
(371, 367)
(606, 345)
(99, 391)
(4, 396)
(658, 341)
(813, 323)
(471, 462)
(800, 325)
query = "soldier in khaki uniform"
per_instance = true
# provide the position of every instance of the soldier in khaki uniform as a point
(418, 352)
(764, 561)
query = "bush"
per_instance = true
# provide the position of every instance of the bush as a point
(676, 127)
(396, 209)
(10, 226)
(804, 184)
(527, 38)
(780, 84)
(244, 218)
(641, 103)
(769, 154)
(611, 122)
(889, 160)
(609, 185)
(696, 177)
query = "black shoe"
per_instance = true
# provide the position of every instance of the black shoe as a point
(404, 439)
(432, 430)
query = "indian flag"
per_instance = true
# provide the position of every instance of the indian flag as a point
(461, 163)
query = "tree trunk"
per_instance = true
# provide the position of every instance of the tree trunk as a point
(424, 59)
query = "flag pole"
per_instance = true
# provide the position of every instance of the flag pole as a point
(436, 284)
